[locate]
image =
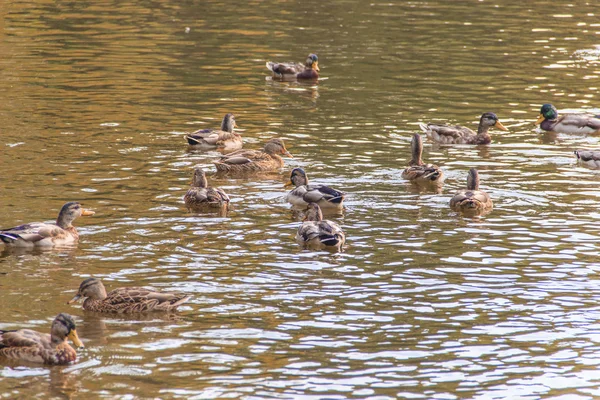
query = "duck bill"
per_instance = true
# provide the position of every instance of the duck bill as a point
(74, 338)
(540, 119)
(86, 213)
(499, 125)
(287, 153)
(289, 184)
(316, 66)
(74, 299)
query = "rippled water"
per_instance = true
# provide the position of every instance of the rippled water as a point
(421, 304)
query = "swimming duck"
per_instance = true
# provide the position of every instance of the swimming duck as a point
(318, 233)
(44, 234)
(285, 71)
(567, 123)
(305, 193)
(418, 171)
(125, 300)
(200, 195)
(472, 200)
(245, 161)
(447, 134)
(32, 346)
(589, 158)
(225, 138)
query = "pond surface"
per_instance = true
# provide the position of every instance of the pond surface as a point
(423, 303)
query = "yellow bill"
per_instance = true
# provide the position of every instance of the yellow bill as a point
(74, 338)
(499, 125)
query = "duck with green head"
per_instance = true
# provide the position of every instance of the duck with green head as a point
(286, 71)
(447, 134)
(549, 120)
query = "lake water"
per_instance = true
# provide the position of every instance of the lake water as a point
(421, 304)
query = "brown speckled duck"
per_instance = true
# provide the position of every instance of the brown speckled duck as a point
(126, 300)
(45, 234)
(287, 71)
(418, 171)
(247, 161)
(472, 200)
(549, 120)
(315, 232)
(32, 346)
(201, 196)
(225, 138)
(447, 134)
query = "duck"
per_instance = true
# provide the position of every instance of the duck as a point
(125, 300)
(589, 158)
(472, 200)
(41, 234)
(285, 71)
(417, 171)
(315, 232)
(247, 161)
(32, 346)
(200, 195)
(549, 120)
(305, 193)
(447, 134)
(225, 138)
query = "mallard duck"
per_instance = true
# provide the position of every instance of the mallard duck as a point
(125, 300)
(200, 195)
(318, 233)
(305, 193)
(32, 346)
(296, 71)
(447, 134)
(590, 158)
(225, 138)
(472, 200)
(418, 171)
(45, 234)
(254, 160)
(549, 120)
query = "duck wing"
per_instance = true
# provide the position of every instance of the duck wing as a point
(32, 232)
(315, 193)
(285, 68)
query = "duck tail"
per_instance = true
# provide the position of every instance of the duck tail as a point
(8, 237)
(330, 240)
(423, 127)
(576, 152)
(270, 66)
(338, 199)
(191, 141)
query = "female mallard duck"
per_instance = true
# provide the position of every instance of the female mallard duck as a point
(304, 193)
(32, 346)
(225, 138)
(472, 200)
(418, 171)
(568, 123)
(447, 134)
(200, 195)
(45, 234)
(286, 71)
(589, 158)
(318, 233)
(126, 300)
(245, 161)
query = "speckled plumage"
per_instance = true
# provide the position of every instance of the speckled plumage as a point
(31, 346)
(285, 71)
(41, 234)
(315, 232)
(418, 171)
(200, 195)
(472, 200)
(247, 161)
(447, 134)
(305, 193)
(225, 138)
(126, 300)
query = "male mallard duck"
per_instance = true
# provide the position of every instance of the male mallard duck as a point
(254, 160)
(32, 346)
(418, 171)
(472, 200)
(567, 123)
(296, 71)
(200, 195)
(318, 233)
(447, 134)
(126, 300)
(43, 234)
(590, 158)
(304, 193)
(225, 138)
